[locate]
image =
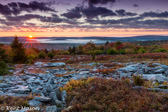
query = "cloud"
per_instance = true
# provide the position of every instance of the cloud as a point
(23, 17)
(53, 19)
(94, 12)
(135, 5)
(73, 14)
(155, 14)
(122, 12)
(95, 2)
(89, 12)
(16, 8)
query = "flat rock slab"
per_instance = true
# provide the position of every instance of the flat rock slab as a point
(55, 64)
(21, 91)
(3, 85)
(52, 109)
(42, 99)
(159, 77)
(35, 103)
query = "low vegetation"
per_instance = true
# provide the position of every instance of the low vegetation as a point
(102, 95)
(14, 102)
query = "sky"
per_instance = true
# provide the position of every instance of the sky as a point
(83, 18)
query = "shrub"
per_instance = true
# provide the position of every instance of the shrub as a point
(138, 80)
(111, 51)
(141, 51)
(108, 95)
(50, 55)
(161, 50)
(3, 68)
(93, 56)
(42, 55)
(30, 58)
(98, 52)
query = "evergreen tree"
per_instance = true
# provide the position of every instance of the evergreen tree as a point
(74, 49)
(70, 50)
(3, 56)
(46, 51)
(19, 51)
(106, 43)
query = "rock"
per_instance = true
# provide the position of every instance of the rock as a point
(51, 80)
(78, 77)
(21, 91)
(130, 68)
(49, 88)
(1, 78)
(166, 73)
(138, 87)
(158, 90)
(36, 91)
(58, 102)
(68, 109)
(35, 103)
(155, 77)
(53, 95)
(38, 81)
(162, 86)
(20, 82)
(3, 85)
(39, 64)
(51, 109)
(63, 96)
(160, 71)
(18, 111)
(83, 72)
(55, 64)
(42, 99)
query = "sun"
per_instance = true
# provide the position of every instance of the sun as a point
(30, 36)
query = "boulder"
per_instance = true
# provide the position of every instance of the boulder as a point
(35, 103)
(84, 72)
(161, 70)
(55, 64)
(39, 64)
(21, 90)
(49, 88)
(130, 68)
(3, 85)
(155, 77)
(63, 96)
(51, 109)
(42, 99)
(18, 111)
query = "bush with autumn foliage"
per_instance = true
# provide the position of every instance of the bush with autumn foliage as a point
(102, 95)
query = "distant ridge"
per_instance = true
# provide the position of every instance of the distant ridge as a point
(124, 39)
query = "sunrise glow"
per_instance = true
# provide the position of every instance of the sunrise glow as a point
(30, 36)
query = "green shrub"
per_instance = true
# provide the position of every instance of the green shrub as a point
(138, 80)
(98, 52)
(50, 55)
(141, 51)
(111, 51)
(42, 55)
(122, 51)
(3, 68)
(93, 56)
(161, 50)
(30, 58)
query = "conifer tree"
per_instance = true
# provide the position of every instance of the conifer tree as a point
(19, 51)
